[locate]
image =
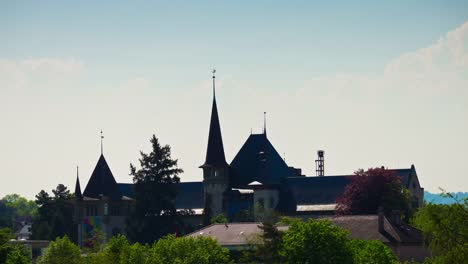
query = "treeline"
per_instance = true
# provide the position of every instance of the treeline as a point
(445, 228)
(16, 210)
(442, 198)
(304, 242)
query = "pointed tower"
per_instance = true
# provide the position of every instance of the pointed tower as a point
(102, 182)
(215, 168)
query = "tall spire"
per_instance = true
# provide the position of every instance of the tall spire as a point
(264, 124)
(215, 150)
(102, 139)
(78, 194)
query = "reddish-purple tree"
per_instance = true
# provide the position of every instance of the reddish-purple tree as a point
(373, 188)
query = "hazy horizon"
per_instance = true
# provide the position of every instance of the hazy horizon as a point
(372, 84)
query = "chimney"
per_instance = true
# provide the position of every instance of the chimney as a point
(320, 163)
(381, 219)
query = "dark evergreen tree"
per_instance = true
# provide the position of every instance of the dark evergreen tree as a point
(6, 215)
(54, 216)
(155, 186)
(271, 238)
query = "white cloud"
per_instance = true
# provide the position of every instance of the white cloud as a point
(441, 69)
(437, 69)
(29, 74)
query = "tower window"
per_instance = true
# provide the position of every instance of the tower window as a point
(106, 209)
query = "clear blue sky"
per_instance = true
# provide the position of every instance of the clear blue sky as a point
(372, 83)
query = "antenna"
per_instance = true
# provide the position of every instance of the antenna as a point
(320, 163)
(102, 143)
(264, 123)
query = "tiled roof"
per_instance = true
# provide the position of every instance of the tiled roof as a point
(364, 227)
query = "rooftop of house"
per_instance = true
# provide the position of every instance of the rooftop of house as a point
(364, 227)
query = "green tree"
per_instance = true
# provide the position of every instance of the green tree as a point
(115, 249)
(219, 219)
(315, 242)
(14, 209)
(271, 239)
(6, 215)
(54, 216)
(60, 251)
(136, 253)
(371, 251)
(17, 256)
(187, 250)
(95, 243)
(446, 228)
(21, 205)
(10, 253)
(155, 192)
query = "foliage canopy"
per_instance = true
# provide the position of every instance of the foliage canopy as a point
(9, 253)
(446, 228)
(371, 189)
(60, 251)
(155, 186)
(315, 242)
(55, 214)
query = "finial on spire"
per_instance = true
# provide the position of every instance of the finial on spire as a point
(102, 139)
(214, 87)
(77, 173)
(264, 123)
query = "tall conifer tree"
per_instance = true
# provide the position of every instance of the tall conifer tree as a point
(155, 186)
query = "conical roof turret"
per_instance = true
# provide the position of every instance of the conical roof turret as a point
(215, 150)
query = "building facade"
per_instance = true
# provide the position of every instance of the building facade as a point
(256, 175)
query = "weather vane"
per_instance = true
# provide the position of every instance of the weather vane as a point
(214, 88)
(102, 138)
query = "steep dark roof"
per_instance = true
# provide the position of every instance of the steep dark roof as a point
(258, 160)
(190, 195)
(215, 150)
(102, 182)
(317, 190)
(78, 194)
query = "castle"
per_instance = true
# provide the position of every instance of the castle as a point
(256, 175)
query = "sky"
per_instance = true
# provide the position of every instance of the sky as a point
(372, 83)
